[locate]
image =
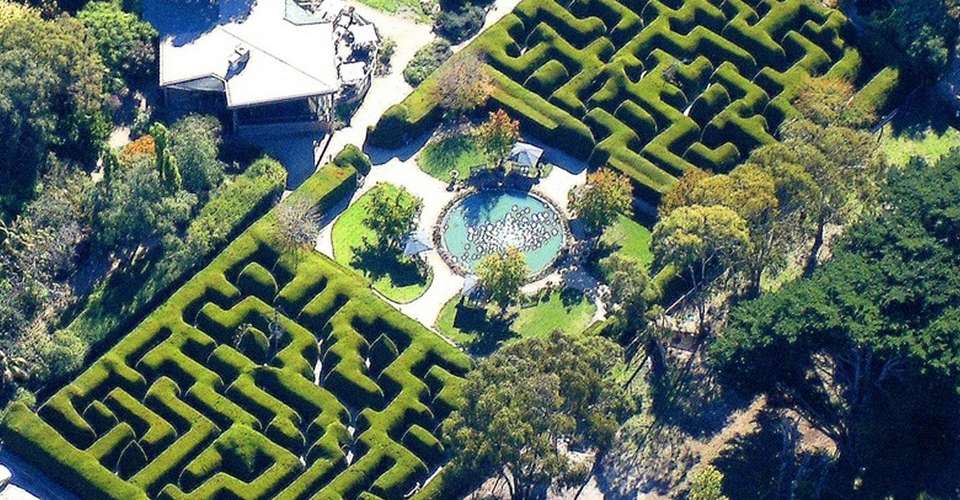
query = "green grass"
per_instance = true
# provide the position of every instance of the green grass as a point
(446, 154)
(356, 246)
(628, 238)
(412, 7)
(922, 128)
(456, 152)
(480, 331)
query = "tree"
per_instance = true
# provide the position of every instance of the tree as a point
(706, 484)
(392, 215)
(629, 289)
(925, 30)
(750, 191)
(526, 399)
(496, 137)
(138, 206)
(680, 194)
(51, 81)
(865, 350)
(167, 165)
(829, 101)
(703, 243)
(631, 294)
(606, 195)
(847, 167)
(297, 225)
(502, 274)
(463, 84)
(195, 143)
(124, 41)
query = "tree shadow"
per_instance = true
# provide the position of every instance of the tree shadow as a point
(489, 332)
(645, 459)
(379, 156)
(926, 110)
(769, 463)
(380, 262)
(185, 21)
(448, 150)
(570, 297)
(693, 400)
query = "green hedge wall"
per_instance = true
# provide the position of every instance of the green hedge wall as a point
(653, 88)
(175, 410)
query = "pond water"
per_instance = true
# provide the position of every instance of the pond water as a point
(491, 221)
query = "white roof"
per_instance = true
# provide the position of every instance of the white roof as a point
(287, 61)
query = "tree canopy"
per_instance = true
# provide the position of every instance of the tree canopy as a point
(393, 217)
(51, 98)
(124, 41)
(925, 30)
(526, 399)
(866, 350)
(606, 195)
(497, 136)
(502, 274)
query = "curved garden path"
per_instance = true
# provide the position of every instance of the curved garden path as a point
(399, 167)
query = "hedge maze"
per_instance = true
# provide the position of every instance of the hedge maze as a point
(267, 375)
(654, 87)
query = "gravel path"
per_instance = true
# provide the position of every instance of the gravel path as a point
(399, 167)
(387, 90)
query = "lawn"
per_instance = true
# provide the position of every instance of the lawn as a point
(413, 7)
(356, 246)
(628, 238)
(480, 331)
(457, 152)
(448, 153)
(922, 128)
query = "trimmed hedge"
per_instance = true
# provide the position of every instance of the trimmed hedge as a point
(652, 90)
(174, 410)
(233, 207)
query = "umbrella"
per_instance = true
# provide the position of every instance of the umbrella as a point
(417, 243)
(470, 283)
(526, 155)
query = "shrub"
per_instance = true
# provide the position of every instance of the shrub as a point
(461, 23)
(352, 156)
(235, 203)
(426, 60)
(124, 41)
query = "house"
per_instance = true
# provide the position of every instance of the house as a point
(279, 64)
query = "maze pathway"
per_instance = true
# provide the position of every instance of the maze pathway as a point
(656, 87)
(267, 375)
(661, 86)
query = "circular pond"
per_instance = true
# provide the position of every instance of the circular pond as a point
(491, 221)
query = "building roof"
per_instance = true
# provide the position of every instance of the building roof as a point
(286, 60)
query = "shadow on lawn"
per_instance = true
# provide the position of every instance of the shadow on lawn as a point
(570, 297)
(488, 332)
(379, 262)
(448, 150)
(924, 111)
